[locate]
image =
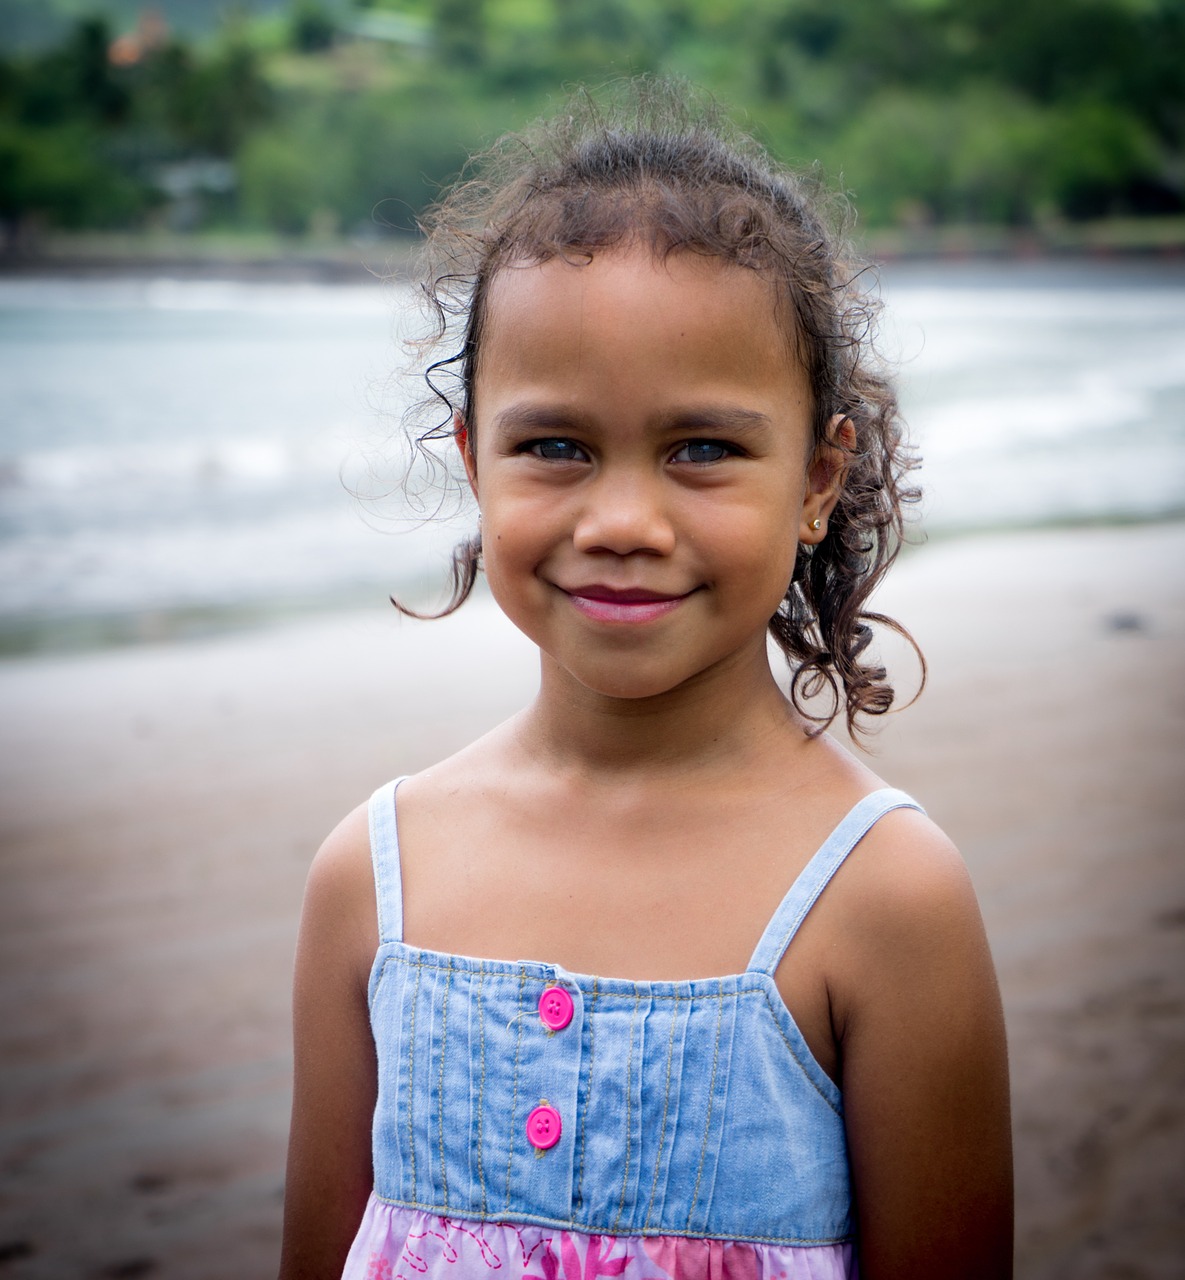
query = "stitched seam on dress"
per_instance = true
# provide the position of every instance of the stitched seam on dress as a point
(796, 924)
(804, 910)
(419, 963)
(411, 1076)
(440, 1086)
(518, 1041)
(629, 1109)
(585, 1228)
(380, 888)
(798, 1062)
(451, 963)
(481, 1087)
(592, 1057)
(666, 1102)
(703, 1152)
(755, 989)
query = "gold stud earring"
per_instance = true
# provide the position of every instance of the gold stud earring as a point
(816, 523)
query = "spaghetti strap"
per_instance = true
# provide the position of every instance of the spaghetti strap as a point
(384, 856)
(817, 873)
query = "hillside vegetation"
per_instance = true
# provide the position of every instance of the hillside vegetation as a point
(327, 119)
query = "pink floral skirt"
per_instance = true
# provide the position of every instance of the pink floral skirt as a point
(395, 1243)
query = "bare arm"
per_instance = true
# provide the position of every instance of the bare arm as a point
(925, 1072)
(335, 1078)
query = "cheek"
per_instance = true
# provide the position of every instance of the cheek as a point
(755, 544)
(511, 526)
(513, 545)
(505, 581)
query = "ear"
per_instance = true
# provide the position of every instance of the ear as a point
(825, 477)
(464, 443)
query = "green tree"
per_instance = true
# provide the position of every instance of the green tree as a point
(58, 176)
(313, 29)
(459, 29)
(224, 100)
(73, 82)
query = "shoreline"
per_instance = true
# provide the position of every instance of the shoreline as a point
(78, 635)
(244, 259)
(251, 257)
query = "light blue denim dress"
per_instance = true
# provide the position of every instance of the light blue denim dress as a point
(533, 1122)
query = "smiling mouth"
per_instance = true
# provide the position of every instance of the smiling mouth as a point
(635, 604)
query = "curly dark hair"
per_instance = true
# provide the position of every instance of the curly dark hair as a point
(656, 166)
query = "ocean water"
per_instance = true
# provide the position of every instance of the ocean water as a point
(179, 456)
(1042, 392)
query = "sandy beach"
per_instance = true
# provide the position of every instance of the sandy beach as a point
(161, 805)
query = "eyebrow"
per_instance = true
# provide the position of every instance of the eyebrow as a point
(732, 418)
(536, 417)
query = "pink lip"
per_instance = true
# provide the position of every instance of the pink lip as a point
(635, 604)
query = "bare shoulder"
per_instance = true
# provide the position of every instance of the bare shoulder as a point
(907, 909)
(906, 872)
(345, 847)
(343, 858)
(339, 896)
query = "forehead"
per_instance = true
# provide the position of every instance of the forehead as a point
(629, 304)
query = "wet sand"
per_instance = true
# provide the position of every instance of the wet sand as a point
(161, 804)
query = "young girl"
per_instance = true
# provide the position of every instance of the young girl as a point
(654, 980)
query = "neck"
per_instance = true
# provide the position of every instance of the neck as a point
(723, 719)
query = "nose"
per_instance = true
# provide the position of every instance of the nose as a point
(624, 514)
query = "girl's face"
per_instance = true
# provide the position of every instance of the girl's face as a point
(642, 458)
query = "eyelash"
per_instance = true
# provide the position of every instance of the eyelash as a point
(536, 447)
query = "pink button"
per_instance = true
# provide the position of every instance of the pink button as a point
(555, 1008)
(544, 1127)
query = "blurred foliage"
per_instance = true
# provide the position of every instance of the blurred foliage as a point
(346, 116)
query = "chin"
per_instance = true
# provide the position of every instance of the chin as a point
(626, 685)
